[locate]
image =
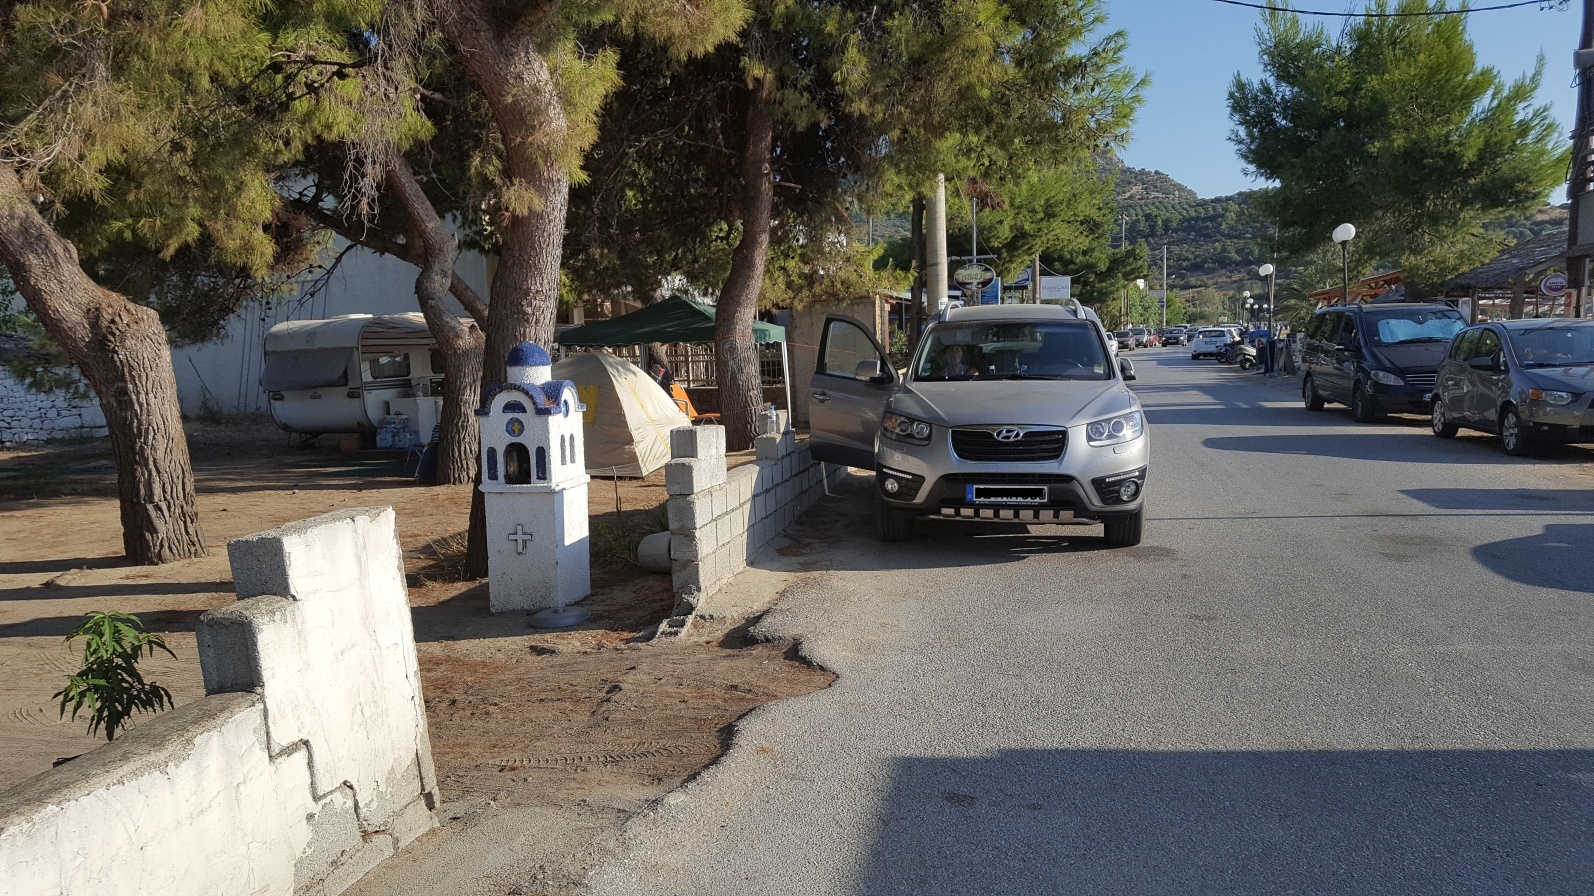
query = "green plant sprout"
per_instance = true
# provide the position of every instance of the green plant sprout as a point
(109, 684)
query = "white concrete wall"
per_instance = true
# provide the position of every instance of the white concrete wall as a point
(29, 416)
(719, 518)
(308, 764)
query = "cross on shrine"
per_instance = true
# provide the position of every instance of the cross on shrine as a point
(520, 536)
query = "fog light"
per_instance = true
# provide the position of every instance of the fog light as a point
(1128, 490)
(891, 486)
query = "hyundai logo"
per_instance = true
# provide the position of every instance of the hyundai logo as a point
(1008, 434)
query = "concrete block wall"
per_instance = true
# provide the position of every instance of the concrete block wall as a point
(721, 518)
(29, 416)
(308, 763)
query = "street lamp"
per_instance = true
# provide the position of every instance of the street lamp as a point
(1343, 234)
(1247, 304)
(1266, 270)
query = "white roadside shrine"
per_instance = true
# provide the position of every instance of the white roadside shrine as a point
(534, 484)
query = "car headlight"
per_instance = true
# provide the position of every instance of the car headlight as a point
(1113, 430)
(1387, 378)
(1552, 396)
(905, 429)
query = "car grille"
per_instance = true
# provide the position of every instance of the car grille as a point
(1423, 380)
(982, 445)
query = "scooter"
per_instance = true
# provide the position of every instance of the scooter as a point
(1239, 352)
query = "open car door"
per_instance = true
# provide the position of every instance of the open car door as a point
(848, 393)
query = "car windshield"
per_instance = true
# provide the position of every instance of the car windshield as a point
(1053, 350)
(1399, 327)
(1566, 346)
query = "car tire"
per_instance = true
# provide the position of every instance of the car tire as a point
(1514, 436)
(1125, 531)
(1194, 356)
(1314, 402)
(891, 524)
(1362, 409)
(1442, 427)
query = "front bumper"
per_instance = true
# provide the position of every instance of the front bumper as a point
(1415, 398)
(1572, 422)
(1085, 485)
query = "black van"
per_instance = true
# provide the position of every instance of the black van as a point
(1376, 358)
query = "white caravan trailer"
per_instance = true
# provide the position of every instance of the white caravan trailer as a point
(346, 374)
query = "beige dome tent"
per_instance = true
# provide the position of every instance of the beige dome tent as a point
(628, 416)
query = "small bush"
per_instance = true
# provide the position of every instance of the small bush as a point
(109, 684)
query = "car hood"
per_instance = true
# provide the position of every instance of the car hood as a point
(1572, 378)
(1418, 357)
(1024, 402)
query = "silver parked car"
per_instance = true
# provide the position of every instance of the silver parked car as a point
(1012, 413)
(1529, 381)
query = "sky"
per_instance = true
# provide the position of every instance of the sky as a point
(1192, 49)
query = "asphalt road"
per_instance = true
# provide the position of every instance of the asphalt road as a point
(1346, 660)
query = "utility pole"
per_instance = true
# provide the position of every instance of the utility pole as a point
(937, 275)
(1165, 287)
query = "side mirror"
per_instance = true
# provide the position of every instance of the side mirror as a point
(1126, 369)
(1484, 363)
(869, 372)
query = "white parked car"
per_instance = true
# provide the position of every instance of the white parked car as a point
(1208, 340)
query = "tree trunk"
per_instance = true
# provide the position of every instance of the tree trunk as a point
(735, 355)
(121, 349)
(506, 64)
(459, 342)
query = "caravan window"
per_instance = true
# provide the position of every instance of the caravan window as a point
(389, 367)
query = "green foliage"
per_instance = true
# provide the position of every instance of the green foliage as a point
(109, 684)
(1392, 126)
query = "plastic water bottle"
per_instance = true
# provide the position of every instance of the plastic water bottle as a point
(771, 420)
(384, 434)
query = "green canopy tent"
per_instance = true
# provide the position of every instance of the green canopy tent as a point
(673, 320)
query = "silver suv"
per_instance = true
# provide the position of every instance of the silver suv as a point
(1006, 413)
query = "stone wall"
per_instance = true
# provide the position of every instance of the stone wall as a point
(308, 763)
(29, 416)
(720, 518)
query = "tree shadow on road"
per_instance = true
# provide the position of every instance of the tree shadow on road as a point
(1330, 822)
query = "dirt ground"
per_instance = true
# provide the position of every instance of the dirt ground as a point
(586, 720)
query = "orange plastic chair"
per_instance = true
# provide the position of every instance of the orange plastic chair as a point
(684, 402)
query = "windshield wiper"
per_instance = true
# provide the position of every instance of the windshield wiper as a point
(1021, 375)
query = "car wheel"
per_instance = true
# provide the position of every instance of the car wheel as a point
(1362, 408)
(1194, 356)
(1514, 436)
(891, 524)
(1314, 402)
(1125, 531)
(1442, 427)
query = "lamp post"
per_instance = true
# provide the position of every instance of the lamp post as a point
(1266, 270)
(1247, 304)
(1343, 234)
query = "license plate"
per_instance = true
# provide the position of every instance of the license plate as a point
(1006, 494)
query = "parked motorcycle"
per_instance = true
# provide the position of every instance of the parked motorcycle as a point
(1237, 352)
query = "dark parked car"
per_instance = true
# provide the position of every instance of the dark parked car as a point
(1376, 358)
(1529, 381)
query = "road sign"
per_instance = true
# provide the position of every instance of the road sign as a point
(974, 276)
(1553, 285)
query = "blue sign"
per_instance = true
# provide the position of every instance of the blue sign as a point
(992, 295)
(515, 427)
